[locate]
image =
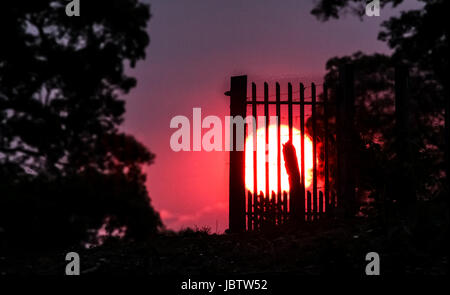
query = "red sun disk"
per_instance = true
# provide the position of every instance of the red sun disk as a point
(272, 159)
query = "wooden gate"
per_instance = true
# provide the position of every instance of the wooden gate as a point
(251, 208)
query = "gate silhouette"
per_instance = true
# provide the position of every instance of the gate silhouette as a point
(253, 210)
(335, 193)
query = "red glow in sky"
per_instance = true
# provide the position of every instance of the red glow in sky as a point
(195, 47)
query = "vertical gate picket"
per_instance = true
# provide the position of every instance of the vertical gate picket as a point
(320, 204)
(278, 113)
(264, 214)
(249, 210)
(308, 208)
(255, 149)
(293, 197)
(302, 149)
(314, 145)
(290, 122)
(266, 148)
(273, 210)
(260, 209)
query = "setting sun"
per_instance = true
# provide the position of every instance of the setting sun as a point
(272, 158)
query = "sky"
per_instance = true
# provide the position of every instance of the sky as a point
(196, 46)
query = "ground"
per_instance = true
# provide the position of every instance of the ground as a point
(327, 247)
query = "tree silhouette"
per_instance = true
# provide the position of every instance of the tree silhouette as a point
(416, 36)
(66, 169)
(419, 40)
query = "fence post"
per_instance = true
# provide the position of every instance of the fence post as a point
(238, 97)
(447, 139)
(326, 152)
(346, 142)
(405, 192)
(314, 148)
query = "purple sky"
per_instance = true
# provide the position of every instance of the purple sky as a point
(195, 47)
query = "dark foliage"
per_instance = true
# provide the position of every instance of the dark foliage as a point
(419, 40)
(418, 37)
(375, 124)
(65, 168)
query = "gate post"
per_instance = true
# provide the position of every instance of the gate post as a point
(405, 192)
(346, 142)
(447, 140)
(238, 97)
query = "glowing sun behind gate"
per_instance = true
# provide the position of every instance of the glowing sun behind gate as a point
(272, 158)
